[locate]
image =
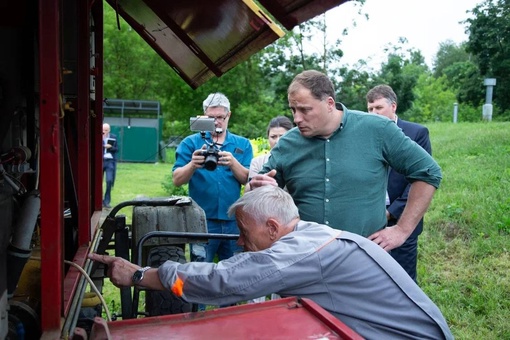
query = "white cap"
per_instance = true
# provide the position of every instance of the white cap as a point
(216, 99)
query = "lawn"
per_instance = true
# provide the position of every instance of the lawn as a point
(464, 255)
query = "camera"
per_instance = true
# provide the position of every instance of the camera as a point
(211, 157)
(203, 124)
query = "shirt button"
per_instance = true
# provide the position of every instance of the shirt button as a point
(327, 179)
(327, 222)
(327, 159)
(327, 200)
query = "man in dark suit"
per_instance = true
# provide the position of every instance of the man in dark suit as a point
(383, 101)
(109, 162)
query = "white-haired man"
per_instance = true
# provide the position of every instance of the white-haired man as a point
(214, 190)
(346, 274)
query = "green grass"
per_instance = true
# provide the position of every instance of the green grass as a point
(464, 255)
(464, 259)
(139, 179)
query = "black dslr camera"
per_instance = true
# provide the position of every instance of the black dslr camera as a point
(203, 124)
(211, 157)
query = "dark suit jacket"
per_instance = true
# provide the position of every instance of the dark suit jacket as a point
(398, 186)
(113, 150)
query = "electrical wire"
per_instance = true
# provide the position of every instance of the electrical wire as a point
(92, 285)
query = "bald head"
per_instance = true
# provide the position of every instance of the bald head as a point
(106, 129)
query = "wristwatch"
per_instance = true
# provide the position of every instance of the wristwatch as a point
(138, 275)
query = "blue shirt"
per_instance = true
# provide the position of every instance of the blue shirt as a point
(214, 190)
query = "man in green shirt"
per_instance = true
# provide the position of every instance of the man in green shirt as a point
(335, 165)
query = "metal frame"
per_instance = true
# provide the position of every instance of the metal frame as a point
(59, 297)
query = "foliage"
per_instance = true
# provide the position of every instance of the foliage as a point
(354, 87)
(257, 88)
(489, 30)
(448, 54)
(171, 189)
(424, 110)
(132, 70)
(402, 75)
(260, 146)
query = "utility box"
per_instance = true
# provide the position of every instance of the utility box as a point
(138, 125)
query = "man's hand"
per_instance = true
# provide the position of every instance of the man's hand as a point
(261, 180)
(120, 271)
(198, 158)
(390, 237)
(226, 159)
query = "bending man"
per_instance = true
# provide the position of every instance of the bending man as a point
(348, 275)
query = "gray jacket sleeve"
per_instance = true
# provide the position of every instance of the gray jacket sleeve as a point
(227, 282)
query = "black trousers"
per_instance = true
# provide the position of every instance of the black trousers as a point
(407, 255)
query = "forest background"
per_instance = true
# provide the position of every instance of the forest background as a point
(257, 88)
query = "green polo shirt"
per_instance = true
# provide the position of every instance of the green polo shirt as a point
(341, 181)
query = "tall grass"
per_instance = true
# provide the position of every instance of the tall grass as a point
(464, 259)
(464, 255)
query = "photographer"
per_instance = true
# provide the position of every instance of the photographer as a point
(214, 189)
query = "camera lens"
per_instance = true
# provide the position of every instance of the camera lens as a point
(211, 162)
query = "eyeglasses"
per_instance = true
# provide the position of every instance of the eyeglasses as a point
(219, 118)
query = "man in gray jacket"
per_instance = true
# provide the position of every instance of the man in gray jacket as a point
(346, 274)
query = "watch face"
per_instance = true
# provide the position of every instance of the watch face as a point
(137, 276)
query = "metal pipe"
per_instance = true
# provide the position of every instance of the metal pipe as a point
(27, 219)
(19, 250)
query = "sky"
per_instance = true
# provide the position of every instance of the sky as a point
(425, 24)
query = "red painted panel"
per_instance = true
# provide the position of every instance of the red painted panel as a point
(97, 123)
(51, 166)
(288, 318)
(83, 180)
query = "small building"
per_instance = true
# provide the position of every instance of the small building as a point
(138, 125)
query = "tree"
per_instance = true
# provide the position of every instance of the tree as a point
(448, 54)
(489, 30)
(132, 70)
(401, 72)
(433, 100)
(462, 75)
(353, 87)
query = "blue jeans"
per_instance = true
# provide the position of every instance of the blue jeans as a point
(206, 252)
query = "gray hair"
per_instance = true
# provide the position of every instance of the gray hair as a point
(382, 91)
(216, 99)
(266, 202)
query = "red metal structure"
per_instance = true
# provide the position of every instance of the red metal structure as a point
(290, 318)
(51, 99)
